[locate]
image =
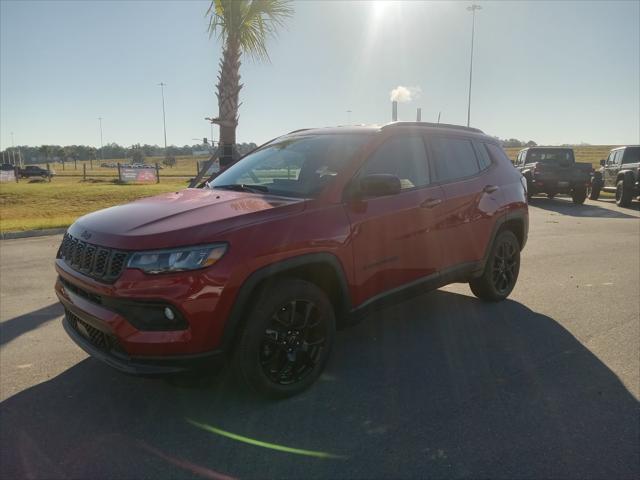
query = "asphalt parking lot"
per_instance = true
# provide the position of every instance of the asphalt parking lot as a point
(545, 384)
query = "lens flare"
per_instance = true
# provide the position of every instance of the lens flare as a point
(258, 443)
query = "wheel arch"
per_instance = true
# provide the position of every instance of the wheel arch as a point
(626, 176)
(515, 222)
(321, 269)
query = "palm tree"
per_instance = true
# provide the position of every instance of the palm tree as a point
(243, 26)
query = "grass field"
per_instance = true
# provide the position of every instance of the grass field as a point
(36, 205)
(30, 206)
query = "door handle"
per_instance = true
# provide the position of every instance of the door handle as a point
(431, 202)
(490, 188)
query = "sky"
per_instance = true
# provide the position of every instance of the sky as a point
(551, 71)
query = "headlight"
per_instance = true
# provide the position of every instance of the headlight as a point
(177, 259)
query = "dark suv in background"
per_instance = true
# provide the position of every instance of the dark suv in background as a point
(553, 170)
(311, 230)
(619, 174)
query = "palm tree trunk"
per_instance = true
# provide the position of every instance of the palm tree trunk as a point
(228, 93)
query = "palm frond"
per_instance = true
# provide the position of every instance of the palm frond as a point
(249, 22)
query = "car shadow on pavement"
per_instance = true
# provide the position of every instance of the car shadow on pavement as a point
(14, 327)
(442, 385)
(590, 208)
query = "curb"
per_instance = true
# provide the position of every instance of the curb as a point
(31, 233)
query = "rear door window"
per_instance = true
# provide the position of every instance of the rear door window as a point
(404, 157)
(453, 158)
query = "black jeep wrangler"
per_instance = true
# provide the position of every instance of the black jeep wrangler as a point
(554, 170)
(619, 174)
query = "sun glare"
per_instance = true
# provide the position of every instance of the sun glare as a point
(379, 6)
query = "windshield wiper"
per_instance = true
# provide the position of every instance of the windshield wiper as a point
(242, 187)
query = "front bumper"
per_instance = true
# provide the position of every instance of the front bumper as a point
(90, 335)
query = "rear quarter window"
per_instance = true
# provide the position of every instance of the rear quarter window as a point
(496, 153)
(484, 161)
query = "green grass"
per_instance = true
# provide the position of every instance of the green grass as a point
(30, 206)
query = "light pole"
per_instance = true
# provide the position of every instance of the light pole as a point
(349, 117)
(472, 9)
(164, 123)
(100, 122)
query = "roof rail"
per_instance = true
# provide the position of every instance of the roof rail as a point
(299, 130)
(432, 125)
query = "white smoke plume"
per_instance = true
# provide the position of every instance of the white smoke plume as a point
(403, 94)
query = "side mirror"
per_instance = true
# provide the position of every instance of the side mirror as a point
(602, 162)
(379, 185)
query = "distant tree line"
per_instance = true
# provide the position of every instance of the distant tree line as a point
(514, 142)
(136, 153)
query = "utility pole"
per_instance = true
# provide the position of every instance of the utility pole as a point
(472, 9)
(349, 117)
(100, 122)
(164, 123)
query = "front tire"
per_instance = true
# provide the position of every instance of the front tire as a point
(501, 270)
(594, 194)
(286, 340)
(623, 194)
(579, 195)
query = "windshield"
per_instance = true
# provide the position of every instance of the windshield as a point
(299, 166)
(560, 155)
(631, 155)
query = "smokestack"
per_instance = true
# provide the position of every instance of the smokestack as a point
(419, 115)
(394, 111)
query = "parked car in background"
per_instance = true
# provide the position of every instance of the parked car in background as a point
(619, 174)
(31, 171)
(311, 230)
(553, 170)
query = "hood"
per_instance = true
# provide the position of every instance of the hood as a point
(187, 217)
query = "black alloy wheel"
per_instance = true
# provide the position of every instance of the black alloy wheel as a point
(286, 339)
(292, 342)
(505, 267)
(501, 270)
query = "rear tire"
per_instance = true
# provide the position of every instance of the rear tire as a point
(623, 194)
(501, 270)
(286, 339)
(594, 194)
(579, 195)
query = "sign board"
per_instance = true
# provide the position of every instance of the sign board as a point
(7, 176)
(138, 175)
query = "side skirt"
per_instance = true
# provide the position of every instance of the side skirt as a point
(459, 273)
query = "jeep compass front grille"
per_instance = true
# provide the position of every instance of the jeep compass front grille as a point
(104, 264)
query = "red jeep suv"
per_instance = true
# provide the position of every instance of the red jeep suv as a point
(307, 232)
